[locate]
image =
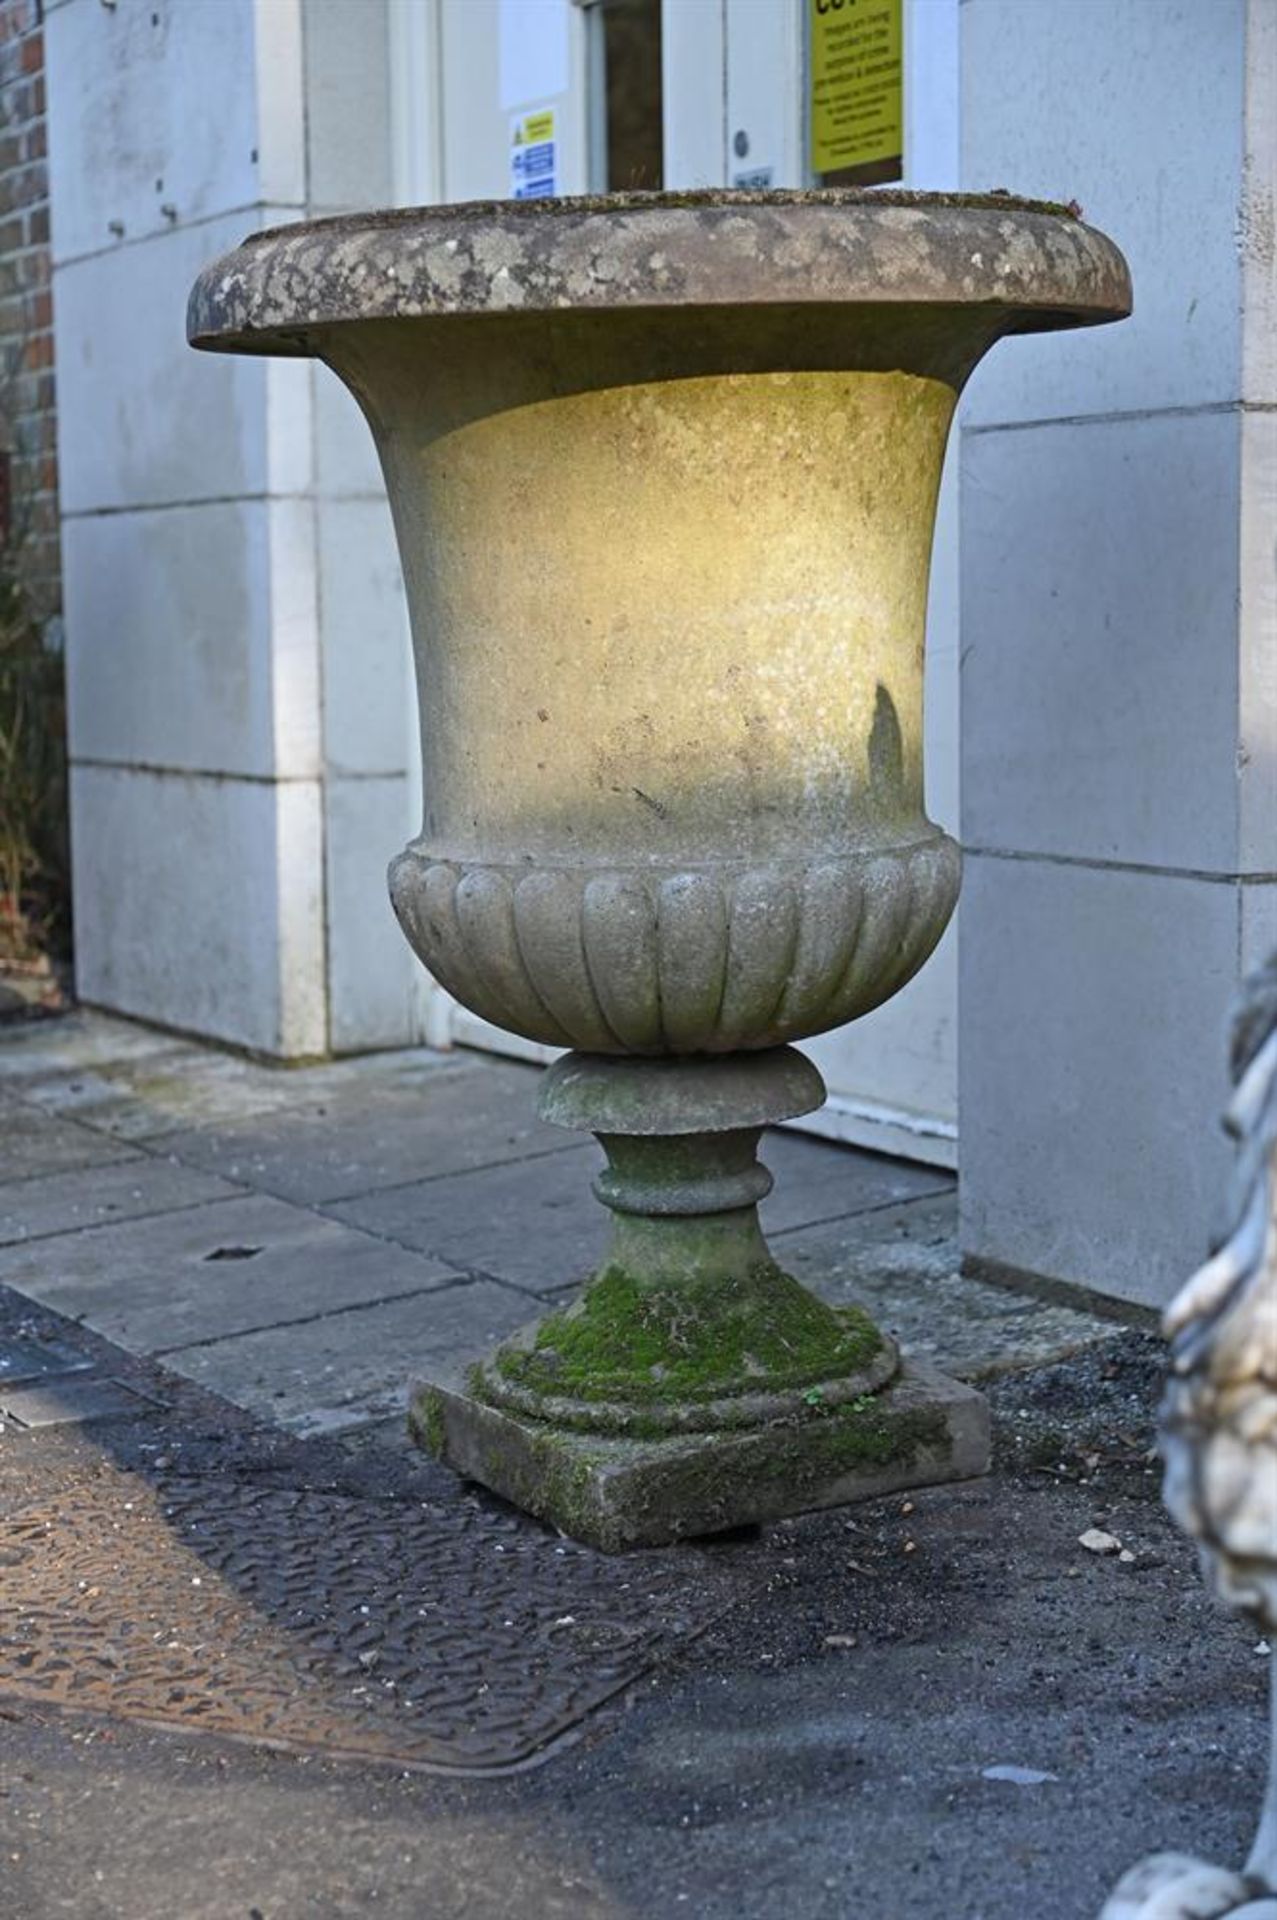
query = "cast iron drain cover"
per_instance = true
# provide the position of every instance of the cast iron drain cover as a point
(453, 1638)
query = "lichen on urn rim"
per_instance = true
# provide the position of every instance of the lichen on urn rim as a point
(1035, 261)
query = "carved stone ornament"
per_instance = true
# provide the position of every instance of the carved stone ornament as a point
(1219, 1425)
(664, 471)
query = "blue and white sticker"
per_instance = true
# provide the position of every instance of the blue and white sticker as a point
(533, 155)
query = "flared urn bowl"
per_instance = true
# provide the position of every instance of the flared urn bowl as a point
(663, 471)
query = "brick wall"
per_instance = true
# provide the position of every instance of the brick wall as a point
(28, 444)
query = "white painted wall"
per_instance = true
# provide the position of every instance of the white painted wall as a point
(893, 1076)
(240, 698)
(375, 989)
(1119, 629)
(192, 656)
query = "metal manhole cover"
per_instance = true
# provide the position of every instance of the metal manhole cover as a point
(445, 1637)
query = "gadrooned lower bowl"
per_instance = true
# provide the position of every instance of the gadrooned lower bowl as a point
(682, 961)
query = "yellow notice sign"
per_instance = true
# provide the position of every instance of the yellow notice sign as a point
(534, 156)
(857, 84)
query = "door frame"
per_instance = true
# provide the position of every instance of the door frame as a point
(720, 62)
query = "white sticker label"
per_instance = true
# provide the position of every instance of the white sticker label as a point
(533, 155)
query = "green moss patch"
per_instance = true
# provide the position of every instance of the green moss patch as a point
(699, 1338)
(872, 1433)
(426, 1421)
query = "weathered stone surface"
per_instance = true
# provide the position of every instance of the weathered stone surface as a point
(695, 1385)
(626, 1493)
(660, 250)
(1219, 1440)
(664, 1098)
(650, 827)
(689, 1325)
(33, 1143)
(206, 1271)
(903, 1264)
(1174, 1886)
(350, 1368)
(378, 1133)
(125, 1188)
(144, 1096)
(679, 961)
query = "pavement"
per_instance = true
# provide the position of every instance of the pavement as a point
(258, 1657)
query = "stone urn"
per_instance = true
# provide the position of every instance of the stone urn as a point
(663, 471)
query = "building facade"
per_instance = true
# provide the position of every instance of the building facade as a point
(28, 397)
(1102, 724)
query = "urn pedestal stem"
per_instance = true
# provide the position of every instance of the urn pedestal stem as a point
(694, 1386)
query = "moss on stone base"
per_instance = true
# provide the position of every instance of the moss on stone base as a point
(426, 1422)
(702, 1339)
(868, 1432)
(618, 1492)
(787, 1468)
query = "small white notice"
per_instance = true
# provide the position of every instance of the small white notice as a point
(534, 162)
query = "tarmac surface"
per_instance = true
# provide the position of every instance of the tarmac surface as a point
(217, 1281)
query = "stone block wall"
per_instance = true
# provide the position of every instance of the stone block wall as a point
(240, 707)
(1119, 627)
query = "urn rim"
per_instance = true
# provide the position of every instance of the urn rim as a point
(1034, 264)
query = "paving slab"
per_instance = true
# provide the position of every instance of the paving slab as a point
(32, 1142)
(208, 1271)
(352, 1368)
(123, 1189)
(537, 1224)
(903, 1264)
(165, 1416)
(141, 1096)
(534, 1222)
(25, 1358)
(817, 1180)
(77, 1041)
(383, 1133)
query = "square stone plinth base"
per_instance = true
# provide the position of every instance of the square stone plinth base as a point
(923, 1429)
